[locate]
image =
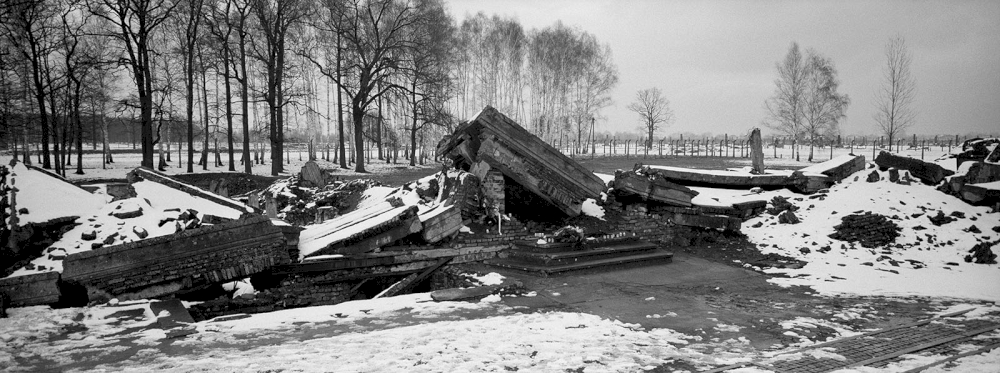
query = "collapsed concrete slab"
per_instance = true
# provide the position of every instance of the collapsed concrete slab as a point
(838, 168)
(141, 173)
(927, 172)
(652, 187)
(31, 290)
(164, 265)
(494, 140)
(360, 231)
(770, 179)
(440, 222)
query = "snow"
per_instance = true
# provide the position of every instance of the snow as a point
(491, 278)
(591, 208)
(840, 271)
(606, 178)
(164, 197)
(993, 185)
(48, 197)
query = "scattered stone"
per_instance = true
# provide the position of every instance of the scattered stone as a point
(870, 264)
(981, 254)
(940, 219)
(973, 229)
(788, 217)
(140, 232)
(757, 225)
(873, 177)
(22, 211)
(89, 236)
(111, 239)
(825, 249)
(128, 214)
(96, 245)
(958, 214)
(805, 250)
(780, 204)
(953, 264)
(996, 229)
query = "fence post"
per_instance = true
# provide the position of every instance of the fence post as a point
(922, 143)
(873, 149)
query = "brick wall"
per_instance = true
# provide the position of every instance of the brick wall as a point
(163, 265)
(493, 188)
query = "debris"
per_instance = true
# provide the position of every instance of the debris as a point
(788, 217)
(311, 176)
(871, 230)
(982, 254)
(495, 139)
(440, 222)
(360, 231)
(929, 173)
(780, 204)
(166, 264)
(940, 219)
(873, 177)
(650, 186)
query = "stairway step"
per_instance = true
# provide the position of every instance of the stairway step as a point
(564, 257)
(655, 257)
(535, 247)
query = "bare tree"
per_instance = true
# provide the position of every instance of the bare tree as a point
(823, 107)
(654, 110)
(275, 20)
(375, 44)
(29, 26)
(784, 108)
(132, 24)
(893, 101)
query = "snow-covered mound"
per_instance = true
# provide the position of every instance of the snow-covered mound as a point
(925, 260)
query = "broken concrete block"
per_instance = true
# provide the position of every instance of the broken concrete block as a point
(788, 217)
(140, 232)
(873, 177)
(893, 174)
(927, 172)
(311, 176)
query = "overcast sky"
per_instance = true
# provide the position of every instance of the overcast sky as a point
(715, 60)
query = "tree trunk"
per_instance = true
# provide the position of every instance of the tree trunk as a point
(358, 115)
(340, 113)
(229, 112)
(204, 95)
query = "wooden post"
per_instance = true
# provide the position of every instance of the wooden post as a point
(873, 149)
(922, 143)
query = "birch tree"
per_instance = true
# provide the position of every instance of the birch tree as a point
(823, 108)
(894, 111)
(784, 107)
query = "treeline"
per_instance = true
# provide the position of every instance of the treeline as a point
(390, 74)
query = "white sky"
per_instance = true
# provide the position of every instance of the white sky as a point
(714, 60)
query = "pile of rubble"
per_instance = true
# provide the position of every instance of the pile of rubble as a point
(868, 229)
